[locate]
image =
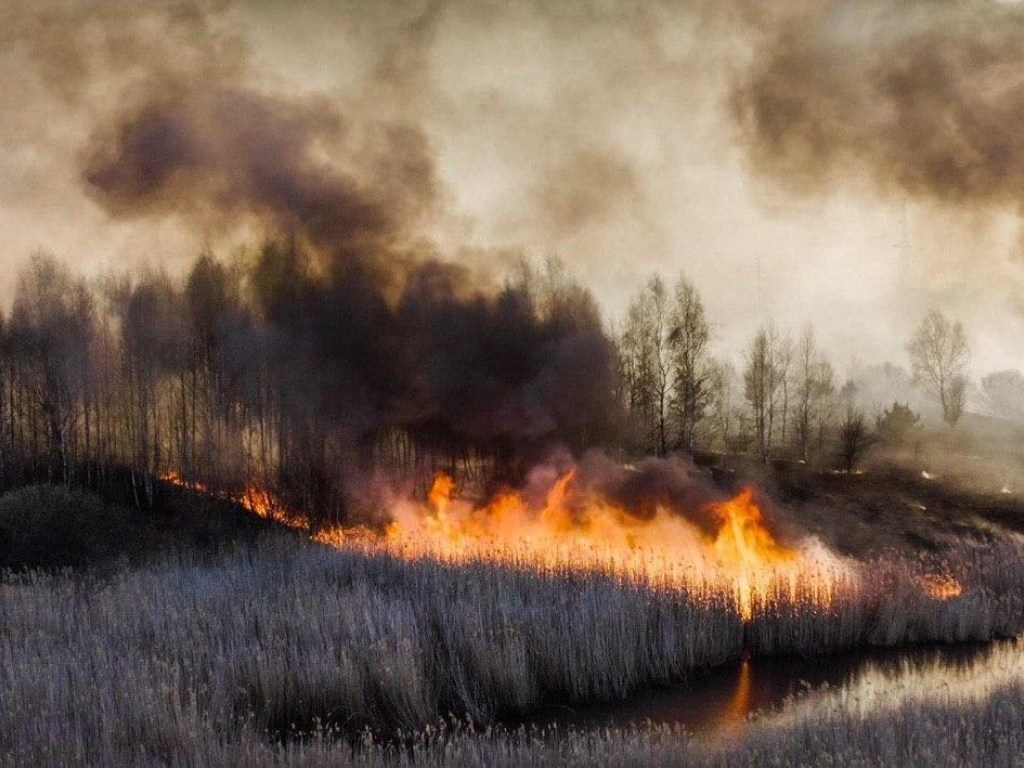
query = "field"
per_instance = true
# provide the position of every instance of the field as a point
(280, 651)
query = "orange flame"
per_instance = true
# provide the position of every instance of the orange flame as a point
(940, 586)
(577, 528)
(573, 527)
(746, 547)
(254, 499)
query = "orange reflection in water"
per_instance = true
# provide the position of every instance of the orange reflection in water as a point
(741, 701)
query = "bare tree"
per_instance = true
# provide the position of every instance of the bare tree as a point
(646, 363)
(813, 386)
(766, 369)
(692, 369)
(826, 403)
(939, 357)
(724, 406)
(784, 364)
(854, 439)
(153, 341)
(51, 328)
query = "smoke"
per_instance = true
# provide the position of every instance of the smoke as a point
(672, 484)
(92, 50)
(382, 137)
(919, 97)
(493, 366)
(365, 326)
(658, 131)
(231, 152)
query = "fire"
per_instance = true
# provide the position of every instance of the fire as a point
(253, 498)
(747, 548)
(577, 528)
(940, 586)
(565, 525)
(175, 478)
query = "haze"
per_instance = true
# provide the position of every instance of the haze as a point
(849, 163)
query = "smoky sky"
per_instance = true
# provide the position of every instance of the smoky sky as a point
(776, 153)
(924, 98)
(230, 152)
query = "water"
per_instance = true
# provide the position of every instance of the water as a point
(726, 698)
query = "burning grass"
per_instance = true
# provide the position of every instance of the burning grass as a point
(559, 523)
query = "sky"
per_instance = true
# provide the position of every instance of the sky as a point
(848, 164)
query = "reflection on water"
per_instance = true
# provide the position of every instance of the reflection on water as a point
(739, 708)
(724, 700)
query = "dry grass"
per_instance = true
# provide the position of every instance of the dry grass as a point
(231, 660)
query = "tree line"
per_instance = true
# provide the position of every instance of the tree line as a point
(296, 375)
(252, 371)
(785, 400)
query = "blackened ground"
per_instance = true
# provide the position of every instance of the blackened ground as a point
(884, 507)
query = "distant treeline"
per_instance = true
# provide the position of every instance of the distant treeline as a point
(318, 379)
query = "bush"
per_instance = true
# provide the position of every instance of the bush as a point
(895, 425)
(854, 439)
(51, 526)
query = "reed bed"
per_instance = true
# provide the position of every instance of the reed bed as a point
(258, 654)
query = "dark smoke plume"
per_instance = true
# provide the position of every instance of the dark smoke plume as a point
(365, 328)
(232, 152)
(672, 484)
(923, 97)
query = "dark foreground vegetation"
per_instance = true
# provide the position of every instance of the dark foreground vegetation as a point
(55, 526)
(274, 650)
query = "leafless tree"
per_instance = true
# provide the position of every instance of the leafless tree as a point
(854, 439)
(939, 357)
(784, 364)
(813, 386)
(51, 328)
(646, 364)
(152, 321)
(725, 405)
(763, 379)
(692, 370)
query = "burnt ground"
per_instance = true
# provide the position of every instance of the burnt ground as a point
(882, 508)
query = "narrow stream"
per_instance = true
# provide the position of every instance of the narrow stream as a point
(727, 697)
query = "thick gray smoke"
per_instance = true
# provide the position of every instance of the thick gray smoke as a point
(922, 97)
(173, 115)
(627, 137)
(230, 153)
(365, 327)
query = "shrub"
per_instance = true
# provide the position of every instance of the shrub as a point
(895, 425)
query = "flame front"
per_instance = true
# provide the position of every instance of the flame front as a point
(569, 527)
(941, 586)
(578, 528)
